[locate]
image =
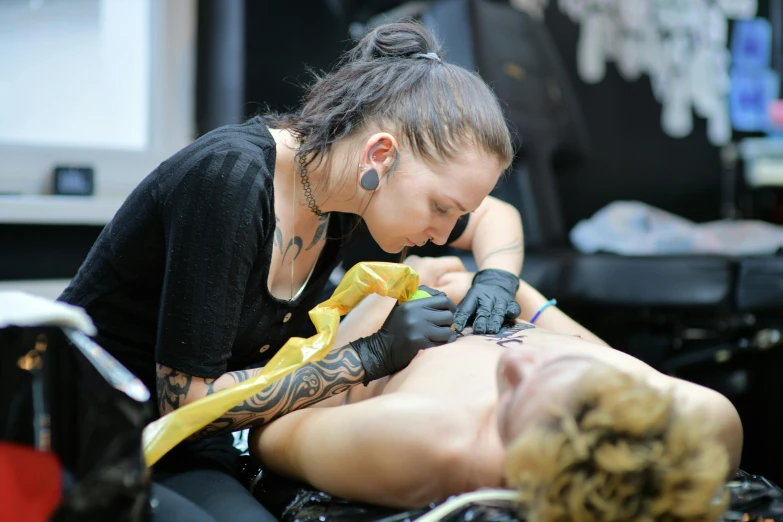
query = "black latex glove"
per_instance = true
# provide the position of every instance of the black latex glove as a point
(491, 301)
(410, 327)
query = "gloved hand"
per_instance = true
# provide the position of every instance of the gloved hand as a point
(490, 302)
(410, 327)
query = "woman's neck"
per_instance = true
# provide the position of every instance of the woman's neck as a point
(327, 172)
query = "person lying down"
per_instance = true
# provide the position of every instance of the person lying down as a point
(585, 432)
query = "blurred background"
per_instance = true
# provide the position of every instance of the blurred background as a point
(649, 137)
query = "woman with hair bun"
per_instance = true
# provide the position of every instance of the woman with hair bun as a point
(215, 259)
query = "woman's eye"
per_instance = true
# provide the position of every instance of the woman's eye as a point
(440, 210)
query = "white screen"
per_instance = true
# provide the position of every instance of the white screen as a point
(75, 73)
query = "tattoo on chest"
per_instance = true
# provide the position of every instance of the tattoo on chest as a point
(296, 242)
(278, 234)
(323, 221)
(510, 335)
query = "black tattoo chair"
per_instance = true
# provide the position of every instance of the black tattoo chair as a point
(751, 498)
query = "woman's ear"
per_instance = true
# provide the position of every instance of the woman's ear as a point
(380, 151)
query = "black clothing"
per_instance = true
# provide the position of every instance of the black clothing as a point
(179, 276)
(204, 496)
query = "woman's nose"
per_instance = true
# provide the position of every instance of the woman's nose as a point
(439, 235)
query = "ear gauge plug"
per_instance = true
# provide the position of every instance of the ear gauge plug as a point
(370, 180)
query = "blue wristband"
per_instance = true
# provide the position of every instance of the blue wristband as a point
(551, 302)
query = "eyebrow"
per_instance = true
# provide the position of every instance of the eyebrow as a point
(462, 209)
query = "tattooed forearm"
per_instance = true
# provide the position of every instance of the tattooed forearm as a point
(172, 387)
(338, 371)
(296, 242)
(514, 247)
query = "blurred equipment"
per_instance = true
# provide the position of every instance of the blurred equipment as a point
(74, 181)
(71, 418)
(754, 84)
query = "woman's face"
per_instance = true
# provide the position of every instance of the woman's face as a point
(531, 389)
(421, 202)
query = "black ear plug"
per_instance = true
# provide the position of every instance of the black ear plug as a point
(370, 180)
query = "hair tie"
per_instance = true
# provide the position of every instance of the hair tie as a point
(428, 56)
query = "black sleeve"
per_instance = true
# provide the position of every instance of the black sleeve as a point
(213, 217)
(459, 228)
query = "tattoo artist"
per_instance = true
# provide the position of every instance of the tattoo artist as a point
(215, 259)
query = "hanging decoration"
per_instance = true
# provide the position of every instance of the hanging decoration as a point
(681, 45)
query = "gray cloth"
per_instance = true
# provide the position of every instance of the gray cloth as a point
(633, 228)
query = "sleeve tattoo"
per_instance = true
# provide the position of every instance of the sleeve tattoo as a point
(172, 388)
(312, 383)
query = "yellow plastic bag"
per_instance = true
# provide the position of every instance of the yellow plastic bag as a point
(387, 279)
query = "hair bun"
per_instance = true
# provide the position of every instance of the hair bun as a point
(396, 40)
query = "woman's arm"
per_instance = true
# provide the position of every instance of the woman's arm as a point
(338, 371)
(365, 319)
(494, 235)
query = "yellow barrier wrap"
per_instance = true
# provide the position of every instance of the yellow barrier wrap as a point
(386, 279)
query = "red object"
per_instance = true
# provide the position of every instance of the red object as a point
(776, 113)
(30, 483)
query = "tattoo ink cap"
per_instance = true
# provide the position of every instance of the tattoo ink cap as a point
(420, 294)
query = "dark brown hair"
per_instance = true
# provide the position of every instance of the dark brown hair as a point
(436, 108)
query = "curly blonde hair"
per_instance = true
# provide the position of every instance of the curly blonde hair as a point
(624, 455)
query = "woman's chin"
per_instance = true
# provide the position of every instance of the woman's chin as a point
(391, 248)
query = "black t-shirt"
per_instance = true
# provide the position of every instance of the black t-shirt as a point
(179, 276)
